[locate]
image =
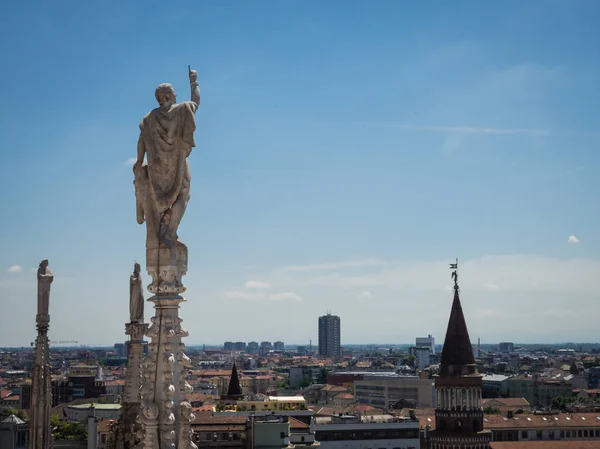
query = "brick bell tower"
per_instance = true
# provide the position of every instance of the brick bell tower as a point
(458, 414)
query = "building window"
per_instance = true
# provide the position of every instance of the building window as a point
(538, 435)
(524, 435)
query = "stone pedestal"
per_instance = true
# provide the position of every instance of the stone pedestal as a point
(40, 435)
(127, 428)
(167, 266)
(166, 416)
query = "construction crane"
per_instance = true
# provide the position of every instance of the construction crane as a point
(60, 342)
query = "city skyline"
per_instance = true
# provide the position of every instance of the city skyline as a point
(342, 161)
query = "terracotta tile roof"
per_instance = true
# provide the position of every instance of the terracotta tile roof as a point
(297, 424)
(104, 425)
(205, 408)
(225, 428)
(508, 402)
(5, 393)
(344, 396)
(207, 419)
(196, 397)
(14, 397)
(542, 421)
(115, 382)
(526, 421)
(546, 444)
(211, 373)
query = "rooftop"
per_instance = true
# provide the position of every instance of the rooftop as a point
(96, 406)
(530, 421)
(546, 444)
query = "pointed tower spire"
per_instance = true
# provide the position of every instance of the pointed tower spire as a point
(234, 383)
(457, 353)
(458, 413)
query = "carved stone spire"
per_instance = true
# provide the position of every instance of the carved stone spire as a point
(40, 434)
(125, 431)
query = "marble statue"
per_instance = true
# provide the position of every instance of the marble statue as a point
(136, 296)
(163, 184)
(45, 278)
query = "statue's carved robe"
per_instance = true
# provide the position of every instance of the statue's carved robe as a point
(45, 278)
(168, 139)
(136, 299)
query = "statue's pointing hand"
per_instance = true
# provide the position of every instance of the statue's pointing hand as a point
(193, 76)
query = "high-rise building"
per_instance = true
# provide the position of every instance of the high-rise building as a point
(120, 350)
(506, 346)
(278, 346)
(252, 347)
(428, 342)
(329, 336)
(422, 357)
(228, 346)
(239, 346)
(265, 347)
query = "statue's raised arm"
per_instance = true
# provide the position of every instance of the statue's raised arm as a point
(194, 86)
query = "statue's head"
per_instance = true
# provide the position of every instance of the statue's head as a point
(165, 95)
(136, 268)
(44, 263)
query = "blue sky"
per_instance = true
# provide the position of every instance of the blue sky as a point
(346, 152)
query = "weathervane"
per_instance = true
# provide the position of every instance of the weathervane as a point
(454, 275)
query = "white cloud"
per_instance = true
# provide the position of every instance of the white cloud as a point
(286, 296)
(468, 129)
(129, 162)
(15, 269)
(570, 172)
(336, 265)
(260, 296)
(573, 239)
(256, 284)
(524, 273)
(365, 295)
(491, 287)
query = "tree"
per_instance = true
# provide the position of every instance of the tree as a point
(305, 382)
(492, 410)
(409, 361)
(67, 430)
(18, 412)
(322, 378)
(562, 402)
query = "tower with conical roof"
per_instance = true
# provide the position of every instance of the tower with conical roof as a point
(458, 414)
(234, 391)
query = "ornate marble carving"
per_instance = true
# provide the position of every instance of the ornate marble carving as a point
(162, 188)
(40, 434)
(164, 389)
(136, 296)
